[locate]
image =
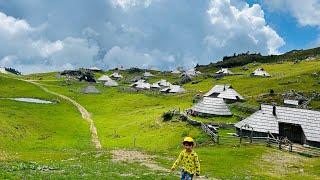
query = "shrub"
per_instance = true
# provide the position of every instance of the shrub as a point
(271, 92)
(167, 116)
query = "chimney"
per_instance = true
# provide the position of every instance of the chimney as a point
(274, 110)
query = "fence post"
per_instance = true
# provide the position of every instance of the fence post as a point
(218, 139)
(290, 147)
(280, 144)
(268, 141)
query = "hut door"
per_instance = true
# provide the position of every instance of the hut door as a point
(292, 131)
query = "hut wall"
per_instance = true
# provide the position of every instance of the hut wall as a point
(248, 133)
(313, 143)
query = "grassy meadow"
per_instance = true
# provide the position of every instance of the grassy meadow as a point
(41, 141)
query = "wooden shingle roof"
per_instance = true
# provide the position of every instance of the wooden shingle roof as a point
(217, 89)
(104, 78)
(116, 75)
(212, 106)
(264, 120)
(224, 71)
(261, 72)
(148, 74)
(111, 83)
(230, 94)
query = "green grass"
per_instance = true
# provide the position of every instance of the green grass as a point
(28, 127)
(51, 134)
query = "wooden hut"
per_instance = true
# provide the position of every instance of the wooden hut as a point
(116, 76)
(104, 78)
(225, 92)
(298, 125)
(148, 74)
(91, 90)
(173, 89)
(224, 71)
(261, 73)
(111, 83)
(211, 107)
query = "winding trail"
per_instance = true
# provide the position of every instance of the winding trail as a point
(84, 113)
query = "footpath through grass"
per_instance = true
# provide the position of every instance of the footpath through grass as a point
(132, 120)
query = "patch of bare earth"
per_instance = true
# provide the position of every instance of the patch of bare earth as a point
(143, 159)
(281, 163)
(137, 157)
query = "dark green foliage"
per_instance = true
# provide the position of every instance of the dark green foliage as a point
(134, 70)
(167, 116)
(271, 92)
(14, 71)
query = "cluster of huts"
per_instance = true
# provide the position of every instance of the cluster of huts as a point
(162, 85)
(138, 83)
(260, 72)
(298, 125)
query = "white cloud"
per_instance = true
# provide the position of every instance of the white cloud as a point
(130, 57)
(13, 27)
(148, 33)
(125, 4)
(240, 29)
(307, 12)
(20, 48)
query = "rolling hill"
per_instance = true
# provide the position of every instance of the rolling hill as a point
(53, 140)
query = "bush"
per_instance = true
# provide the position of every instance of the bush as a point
(271, 92)
(167, 116)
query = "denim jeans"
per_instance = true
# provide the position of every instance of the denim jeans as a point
(185, 175)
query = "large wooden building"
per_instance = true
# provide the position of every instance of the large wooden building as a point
(298, 125)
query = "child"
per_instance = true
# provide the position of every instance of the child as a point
(188, 159)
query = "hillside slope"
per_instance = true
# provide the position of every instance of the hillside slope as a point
(127, 119)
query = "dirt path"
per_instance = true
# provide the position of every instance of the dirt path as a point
(131, 156)
(137, 156)
(85, 114)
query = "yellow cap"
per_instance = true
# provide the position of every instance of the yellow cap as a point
(188, 139)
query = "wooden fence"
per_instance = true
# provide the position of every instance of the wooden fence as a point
(207, 130)
(269, 141)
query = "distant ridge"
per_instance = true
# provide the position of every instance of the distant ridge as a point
(246, 58)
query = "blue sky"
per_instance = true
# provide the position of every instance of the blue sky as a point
(44, 35)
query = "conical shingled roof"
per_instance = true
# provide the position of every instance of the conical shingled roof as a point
(164, 82)
(148, 74)
(261, 72)
(90, 90)
(217, 89)
(111, 83)
(173, 89)
(224, 71)
(212, 106)
(230, 94)
(116, 75)
(104, 78)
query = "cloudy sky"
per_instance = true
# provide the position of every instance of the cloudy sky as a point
(47, 35)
